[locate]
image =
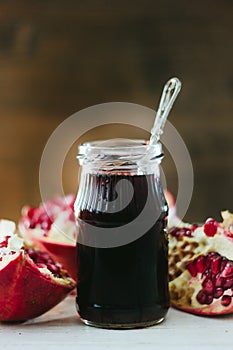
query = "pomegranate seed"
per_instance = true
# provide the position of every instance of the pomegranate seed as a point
(223, 263)
(40, 260)
(54, 269)
(211, 227)
(212, 255)
(228, 270)
(219, 281)
(209, 299)
(173, 231)
(50, 261)
(216, 264)
(226, 300)
(228, 283)
(218, 292)
(203, 298)
(31, 212)
(44, 256)
(32, 224)
(40, 265)
(180, 232)
(208, 286)
(4, 243)
(194, 227)
(201, 264)
(191, 267)
(32, 253)
(186, 232)
(207, 274)
(45, 225)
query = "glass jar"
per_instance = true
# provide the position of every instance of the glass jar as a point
(122, 247)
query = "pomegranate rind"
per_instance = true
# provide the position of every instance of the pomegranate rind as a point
(26, 292)
(215, 309)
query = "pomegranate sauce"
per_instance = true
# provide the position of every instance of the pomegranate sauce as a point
(127, 284)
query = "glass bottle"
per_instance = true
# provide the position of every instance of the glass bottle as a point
(122, 247)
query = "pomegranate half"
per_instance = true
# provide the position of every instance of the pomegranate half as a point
(171, 202)
(31, 282)
(201, 266)
(51, 227)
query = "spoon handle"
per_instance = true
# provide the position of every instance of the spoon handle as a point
(169, 94)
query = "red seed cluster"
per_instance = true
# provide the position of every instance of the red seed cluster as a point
(182, 231)
(217, 275)
(38, 216)
(4, 243)
(44, 215)
(42, 259)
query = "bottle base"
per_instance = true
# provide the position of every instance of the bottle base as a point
(122, 326)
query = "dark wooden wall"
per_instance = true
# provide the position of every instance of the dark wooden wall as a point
(57, 57)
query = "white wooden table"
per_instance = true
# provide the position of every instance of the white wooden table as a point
(61, 329)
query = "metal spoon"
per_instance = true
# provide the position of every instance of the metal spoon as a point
(170, 92)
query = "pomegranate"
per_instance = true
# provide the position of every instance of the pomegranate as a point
(31, 282)
(201, 266)
(171, 202)
(52, 228)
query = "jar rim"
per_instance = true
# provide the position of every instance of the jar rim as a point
(119, 146)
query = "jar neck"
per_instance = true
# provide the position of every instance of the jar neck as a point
(134, 157)
(126, 168)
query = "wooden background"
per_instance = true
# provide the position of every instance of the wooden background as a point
(57, 57)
